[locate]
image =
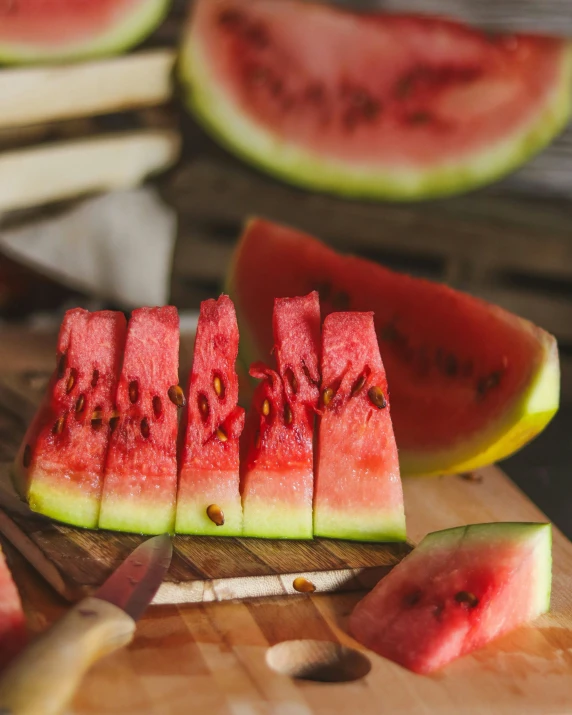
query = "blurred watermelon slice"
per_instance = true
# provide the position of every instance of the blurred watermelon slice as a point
(61, 30)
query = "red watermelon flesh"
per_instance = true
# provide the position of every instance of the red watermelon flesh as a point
(60, 464)
(13, 633)
(358, 492)
(277, 478)
(140, 481)
(370, 104)
(470, 383)
(457, 591)
(209, 481)
(40, 30)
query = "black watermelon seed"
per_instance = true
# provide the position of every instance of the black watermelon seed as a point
(466, 598)
(413, 598)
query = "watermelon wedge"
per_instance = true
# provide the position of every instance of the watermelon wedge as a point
(62, 30)
(59, 468)
(371, 105)
(358, 492)
(277, 469)
(208, 500)
(13, 633)
(457, 591)
(470, 382)
(140, 481)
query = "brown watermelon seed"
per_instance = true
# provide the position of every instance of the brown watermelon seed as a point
(288, 414)
(215, 514)
(157, 406)
(302, 585)
(266, 408)
(341, 301)
(58, 427)
(376, 397)
(257, 440)
(451, 365)
(114, 420)
(80, 404)
(61, 366)
(218, 387)
(176, 395)
(94, 378)
(412, 599)
(419, 118)
(292, 381)
(358, 385)
(203, 406)
(467, 599)
(221, 434)
(485, 384)
(133, 391)
(145, 427)
(27, 456)
(97, 418)
(71, 380)
(327, 396)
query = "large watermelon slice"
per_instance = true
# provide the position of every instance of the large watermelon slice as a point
(277, 468)
(208, 500)
(459, 589)
(140, 480)
(358, 491)
(13, 634)
(59, 468)
(371, 105)
(470, 383)
(57, 30)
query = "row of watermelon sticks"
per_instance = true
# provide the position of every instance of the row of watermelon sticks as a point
(105, 448)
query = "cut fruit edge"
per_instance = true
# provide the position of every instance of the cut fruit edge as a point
(133, 29)
(514, 429)
(256, 144)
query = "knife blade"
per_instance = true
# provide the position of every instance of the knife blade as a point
(44, 678)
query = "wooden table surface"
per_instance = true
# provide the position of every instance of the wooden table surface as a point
(211, 658)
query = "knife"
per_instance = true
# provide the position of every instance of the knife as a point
(44, 678)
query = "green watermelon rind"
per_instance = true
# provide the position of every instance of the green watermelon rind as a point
(132, 30)
(255, 144)
(68, 504)
(382, 527)
(506, 532)
(134, 516)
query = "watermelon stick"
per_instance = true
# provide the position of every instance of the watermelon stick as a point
(358, 492)
(59, 468)
(277, 469)
(208, 500)
(140, 478)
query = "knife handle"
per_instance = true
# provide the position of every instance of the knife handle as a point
(44, 678)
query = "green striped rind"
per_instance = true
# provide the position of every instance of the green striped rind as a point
(63, 498)
(539, 536)
(132, 30)
(140, 515)
(192, 511)
(533, 410)
(276, 520)
(360, 525)
(255, 143)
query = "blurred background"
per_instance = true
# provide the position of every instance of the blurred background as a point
(111, 195)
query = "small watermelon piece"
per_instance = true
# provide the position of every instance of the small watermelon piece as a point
(63, 30)
(59, 468)
(358, 492)
(13, 632)
(456, 592)
(470, 383)
(372, 105)
(140, 481)
(277, 473)
(208, 500)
